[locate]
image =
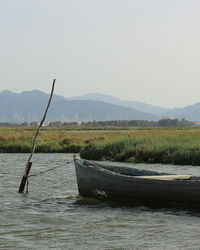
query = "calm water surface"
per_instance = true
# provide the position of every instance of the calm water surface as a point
(52, 216)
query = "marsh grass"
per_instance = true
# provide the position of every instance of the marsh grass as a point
(174, 146)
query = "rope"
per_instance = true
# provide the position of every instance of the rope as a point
(42, 172)
(48, 170)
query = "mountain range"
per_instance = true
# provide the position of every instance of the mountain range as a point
(30, 105)
(191, 112)
(139, 106)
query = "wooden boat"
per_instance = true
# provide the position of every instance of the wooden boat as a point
(133, 186)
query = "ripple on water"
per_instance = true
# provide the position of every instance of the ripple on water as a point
(53, 216)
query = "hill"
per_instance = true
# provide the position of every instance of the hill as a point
(30, 105)
(191, 112)
(139, 106)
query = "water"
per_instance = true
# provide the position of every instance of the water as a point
(52, 216)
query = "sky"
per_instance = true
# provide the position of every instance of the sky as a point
(139, 50)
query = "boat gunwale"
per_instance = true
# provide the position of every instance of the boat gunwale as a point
(102, 171)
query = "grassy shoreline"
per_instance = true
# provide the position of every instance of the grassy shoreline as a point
(150, 145)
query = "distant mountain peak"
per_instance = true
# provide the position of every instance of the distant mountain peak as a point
(29, 106)
(96, 97)
(34, 92)
(190, 112)
(7, 92)
(137, 105)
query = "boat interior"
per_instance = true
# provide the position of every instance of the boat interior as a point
(145, 174)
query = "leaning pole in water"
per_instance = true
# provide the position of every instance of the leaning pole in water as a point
(29, 163)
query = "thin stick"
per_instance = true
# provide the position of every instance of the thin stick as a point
(29, 163)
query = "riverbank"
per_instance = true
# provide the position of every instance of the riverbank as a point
(149, 145)
(170, 148)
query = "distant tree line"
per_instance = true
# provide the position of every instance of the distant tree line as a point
(63, 124)
(121, 123)
(23, 124)
(117, 123)
(142, 123)
(175, 123)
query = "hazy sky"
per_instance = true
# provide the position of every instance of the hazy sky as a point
(142, 50)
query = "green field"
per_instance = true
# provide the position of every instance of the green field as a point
(151, 145)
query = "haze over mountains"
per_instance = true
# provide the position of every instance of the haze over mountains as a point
(29, 106)
(139, 106)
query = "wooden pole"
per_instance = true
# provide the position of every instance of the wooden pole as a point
(29, 163)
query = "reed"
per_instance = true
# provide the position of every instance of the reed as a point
(174, 147)
(151, 145)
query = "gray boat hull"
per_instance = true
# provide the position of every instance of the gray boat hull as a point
(121, 184)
